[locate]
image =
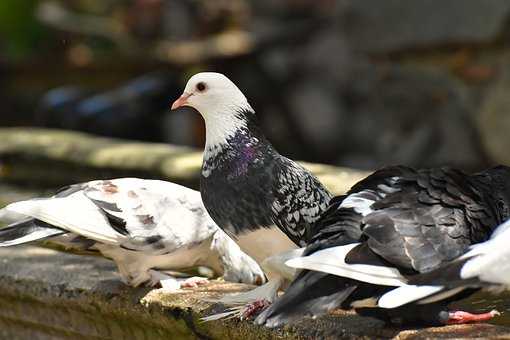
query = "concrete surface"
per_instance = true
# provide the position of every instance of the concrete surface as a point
(46, 294)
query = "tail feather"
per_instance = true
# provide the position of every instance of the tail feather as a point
(26, 231)
(8, 217)
(333, 261)
(312, 293)
(406, 294)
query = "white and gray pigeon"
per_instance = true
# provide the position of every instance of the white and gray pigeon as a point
(263, 200)
(147, 227)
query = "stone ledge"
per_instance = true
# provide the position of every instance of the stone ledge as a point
(48, 294)
(56, 157)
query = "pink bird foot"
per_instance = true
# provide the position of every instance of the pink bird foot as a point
(194, 282)
(254, 308)
(460, 317)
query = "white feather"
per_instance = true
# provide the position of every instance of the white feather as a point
(238, 267)
(441, 296)
(360, 204)
(332, 261)
(75, 213)
(267, 292)
(9, 217)
(277, 263)
(406, 294)
(503, 228)
(491, 261)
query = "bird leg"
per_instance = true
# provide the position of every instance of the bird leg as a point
(168, 283)
(193, 282)
(247, 304)
(254, 308)
(171, 284)
(461, 317)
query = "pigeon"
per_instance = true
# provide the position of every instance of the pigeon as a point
(485, 265)
(148, 227)
(263, 200)
(133, 110)
(395, 224)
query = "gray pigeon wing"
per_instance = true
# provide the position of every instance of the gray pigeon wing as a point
(432, 220)
(299, 200)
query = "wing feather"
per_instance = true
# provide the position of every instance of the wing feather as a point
(151, 212)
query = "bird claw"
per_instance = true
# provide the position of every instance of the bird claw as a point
(254, 308)
(461, 317)
(194, 282)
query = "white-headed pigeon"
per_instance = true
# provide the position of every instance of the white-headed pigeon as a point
(263, 200)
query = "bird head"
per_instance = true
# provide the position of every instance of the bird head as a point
(220, 102)
(212, 94)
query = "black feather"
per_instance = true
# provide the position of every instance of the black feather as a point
(310, 294)
(19, 230)
(106, 206)
(118, 224)
(68, 190)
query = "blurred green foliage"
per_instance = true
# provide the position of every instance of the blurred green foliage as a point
(20, 32)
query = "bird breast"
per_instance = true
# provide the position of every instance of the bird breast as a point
(264, 242)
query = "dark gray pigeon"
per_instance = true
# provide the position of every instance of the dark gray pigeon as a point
(395, 228)
(264, 201)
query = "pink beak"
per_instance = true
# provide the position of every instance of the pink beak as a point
(181, 101)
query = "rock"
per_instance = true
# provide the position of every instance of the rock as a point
(392, 25)
(315, 106)
(51, 295)
(408, 115)
(277, 62)
(494, 116)
(177, 22)
(328, 58)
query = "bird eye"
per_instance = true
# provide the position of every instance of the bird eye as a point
(201, 87)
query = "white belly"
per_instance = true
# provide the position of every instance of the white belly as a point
(183, 258)
(264, 242)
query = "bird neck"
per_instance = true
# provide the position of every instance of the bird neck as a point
(235, 132)
(239, 140)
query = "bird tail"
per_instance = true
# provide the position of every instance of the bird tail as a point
(311, 293)
(28, 230)
(436, 285)
(327, 282)
(7, 216)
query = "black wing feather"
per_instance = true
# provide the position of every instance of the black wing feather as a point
(25, 228)
(429, 221)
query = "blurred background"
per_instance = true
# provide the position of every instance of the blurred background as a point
(357, 83)
(352, 83)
